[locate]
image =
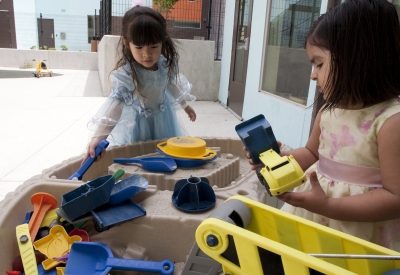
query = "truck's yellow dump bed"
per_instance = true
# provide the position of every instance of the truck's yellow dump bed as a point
(275, 242)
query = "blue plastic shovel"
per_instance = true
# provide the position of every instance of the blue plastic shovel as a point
(156, 164)
(92, 258)
(89, 161)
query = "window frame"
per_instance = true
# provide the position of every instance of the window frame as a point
(317, 101)
(263, 56)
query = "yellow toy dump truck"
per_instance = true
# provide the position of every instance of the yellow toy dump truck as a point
(280, 174)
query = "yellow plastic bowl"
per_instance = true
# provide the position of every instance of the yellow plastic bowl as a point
(186, 147)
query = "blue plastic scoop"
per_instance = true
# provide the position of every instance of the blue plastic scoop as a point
(89, 161)
(155, 164)
(127, 188)
(91, 258)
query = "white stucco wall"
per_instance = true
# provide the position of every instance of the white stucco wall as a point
(226, 53)
(25, 24)
(290, 121)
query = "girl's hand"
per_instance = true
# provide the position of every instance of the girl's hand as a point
(256, 166)
(191, 113)
(91, 150)
(248, 156)
(314, 200)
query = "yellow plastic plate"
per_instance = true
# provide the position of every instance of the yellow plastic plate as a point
(186, 148)
(56, 244)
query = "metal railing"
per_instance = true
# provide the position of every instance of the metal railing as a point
(198, 20)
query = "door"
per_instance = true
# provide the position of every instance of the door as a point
(240, 54)
(46, 32)
(5, 31)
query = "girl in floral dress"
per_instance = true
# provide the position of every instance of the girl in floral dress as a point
(352, 158)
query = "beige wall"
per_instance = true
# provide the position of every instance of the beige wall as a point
(196, 63)
(54, 59)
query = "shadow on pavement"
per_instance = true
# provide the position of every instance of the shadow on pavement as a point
(20, 74)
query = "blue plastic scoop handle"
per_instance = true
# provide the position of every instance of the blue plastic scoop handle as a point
(89, 161)
(156, 164)
(165, 267)
(93, 258)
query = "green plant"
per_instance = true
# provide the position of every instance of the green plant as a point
(164, 6)
(33, 48)
(64, 48)
(44, 47)
(52, 49)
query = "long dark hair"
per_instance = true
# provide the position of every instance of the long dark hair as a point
(144, 26)
(363, 37)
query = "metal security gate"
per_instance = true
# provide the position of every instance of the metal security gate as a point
(105, 17)
(197, 20)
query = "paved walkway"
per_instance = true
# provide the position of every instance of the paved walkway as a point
(43, 120)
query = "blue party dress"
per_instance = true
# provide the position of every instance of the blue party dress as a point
(127, 117)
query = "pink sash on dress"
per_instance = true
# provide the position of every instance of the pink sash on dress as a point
(351, 174)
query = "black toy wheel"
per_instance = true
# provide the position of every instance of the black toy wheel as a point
(100, 228)
(263, 181)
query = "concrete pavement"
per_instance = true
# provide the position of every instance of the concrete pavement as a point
(43, 120)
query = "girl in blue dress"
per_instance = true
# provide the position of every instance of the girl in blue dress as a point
(147, 88)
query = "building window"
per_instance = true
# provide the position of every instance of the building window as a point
(286, 68)
(90, 28)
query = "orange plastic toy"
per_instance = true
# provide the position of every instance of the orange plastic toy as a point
(42, 202)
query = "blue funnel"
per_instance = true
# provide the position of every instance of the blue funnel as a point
(193, 195)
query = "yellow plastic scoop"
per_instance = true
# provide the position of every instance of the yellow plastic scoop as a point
(187, 148)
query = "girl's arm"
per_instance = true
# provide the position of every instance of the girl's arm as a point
(190, 112)
(308, 155)
(179, 88)
(377, 205)
(113, 113)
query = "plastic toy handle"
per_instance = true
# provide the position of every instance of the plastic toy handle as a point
(42, 202)
(82, 170)
(119, 173)
(126, 160)
(165, 267)
(26, 250)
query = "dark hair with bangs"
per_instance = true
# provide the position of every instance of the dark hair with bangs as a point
(144, 26)
(363, 37)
